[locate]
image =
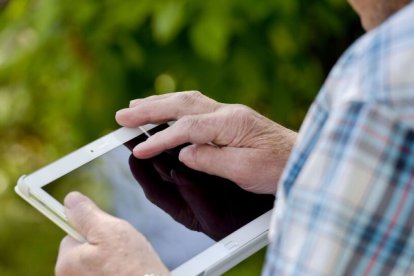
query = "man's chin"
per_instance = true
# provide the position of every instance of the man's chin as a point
(368, 25)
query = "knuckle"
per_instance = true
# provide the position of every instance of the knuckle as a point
(189, 125)
(241, 110)
(151, 115)
(121, 228)
(244, 115)
(84, 213)
(146, 112)
(195, 123)
(237, 114)
(191, 97)
(188, 122)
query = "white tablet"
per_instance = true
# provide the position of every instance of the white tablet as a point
(198, 224)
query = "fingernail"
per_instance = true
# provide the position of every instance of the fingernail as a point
(134, 102)
(122, 111)
(73, 199)
(138, 148)
(186, 154)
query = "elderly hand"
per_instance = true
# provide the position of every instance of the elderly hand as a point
(113, 246)
(228, 140)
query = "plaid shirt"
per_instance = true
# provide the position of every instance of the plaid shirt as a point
(346, 200)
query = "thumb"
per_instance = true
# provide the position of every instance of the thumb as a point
(82, 213)
(225, 162)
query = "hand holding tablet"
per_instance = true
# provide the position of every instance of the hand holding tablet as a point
(187, 211)
(184, 247)
(105, 234)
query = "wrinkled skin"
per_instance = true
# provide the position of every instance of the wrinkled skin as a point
(227, 140)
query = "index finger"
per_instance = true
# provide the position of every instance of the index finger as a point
(194, 129)
(164, 108)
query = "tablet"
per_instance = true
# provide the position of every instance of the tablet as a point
(197, 223)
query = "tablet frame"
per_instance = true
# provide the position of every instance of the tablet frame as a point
(215, 260)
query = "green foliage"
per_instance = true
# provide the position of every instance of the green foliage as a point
(67, 66)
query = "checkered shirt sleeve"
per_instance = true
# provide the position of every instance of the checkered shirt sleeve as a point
(346, 200)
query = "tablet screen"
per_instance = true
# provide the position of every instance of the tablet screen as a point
(180, 211)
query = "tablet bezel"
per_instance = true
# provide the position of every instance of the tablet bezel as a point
(216, 259)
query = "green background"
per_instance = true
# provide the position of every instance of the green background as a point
(67, 66)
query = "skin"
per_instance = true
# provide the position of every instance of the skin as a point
(219, 134)
(113, 246)
(374, 12)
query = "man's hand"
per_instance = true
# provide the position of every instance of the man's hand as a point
(228, 140)
(113, 246)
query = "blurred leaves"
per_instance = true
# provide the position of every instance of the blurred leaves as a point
(168, 20)
(67, 66)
